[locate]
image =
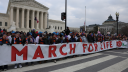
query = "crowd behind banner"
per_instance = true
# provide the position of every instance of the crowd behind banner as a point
(35, 37)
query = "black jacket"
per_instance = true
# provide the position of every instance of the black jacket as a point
(60, 41)
(67, 31)
(90, 38)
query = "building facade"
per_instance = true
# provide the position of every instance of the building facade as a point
(72, 29)
(58, 26)
(22, 15)
(109, 25)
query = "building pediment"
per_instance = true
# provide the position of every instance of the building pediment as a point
(31, 3)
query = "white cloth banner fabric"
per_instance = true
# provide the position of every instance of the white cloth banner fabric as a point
(18, 53)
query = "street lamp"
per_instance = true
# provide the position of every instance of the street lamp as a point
(117, 17)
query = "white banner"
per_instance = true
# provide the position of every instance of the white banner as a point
(31, 52)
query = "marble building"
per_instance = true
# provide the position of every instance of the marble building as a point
(21, 15)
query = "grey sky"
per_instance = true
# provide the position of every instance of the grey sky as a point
(97, 11)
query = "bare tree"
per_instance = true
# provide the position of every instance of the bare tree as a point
(124, 30)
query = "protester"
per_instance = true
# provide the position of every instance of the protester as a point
(35, 37)
(84, 39)
(90, 38)
(17, 40)
(29, 40)
(72, 39)
(79, 39)
(4, 40)
(67, 31)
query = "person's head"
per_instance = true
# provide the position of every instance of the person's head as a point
(61, 36)
(66, 37)
(17, 35)
(29, 35)
(54, 35)
(67, 27)
(8, 33)
(85, 35)
(4, 36)
(50, 36)
(126, 38)
(58, 36)
(90, 33)
(80, 37)
(24, 33)
(72, 36)
(13, 33)
(45, 36)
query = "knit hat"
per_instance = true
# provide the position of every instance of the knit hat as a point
(39, 32)
(13, 31)
(57, 33)
(28, 34)
(62, 34)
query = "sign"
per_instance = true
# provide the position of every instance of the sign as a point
(30, 53)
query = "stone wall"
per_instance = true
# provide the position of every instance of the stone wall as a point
(4, 18)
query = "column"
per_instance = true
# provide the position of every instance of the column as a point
(22, 23)
(27, 20)
(11, 16)
(32, 23)
(37, 16)
(41, 21)
(17, 17)
(45, 20)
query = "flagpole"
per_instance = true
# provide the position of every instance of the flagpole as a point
(85, 19)
(66, 14)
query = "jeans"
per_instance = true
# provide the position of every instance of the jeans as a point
(17, 64)
(4, 67)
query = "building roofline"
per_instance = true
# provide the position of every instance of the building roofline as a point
(51, 20)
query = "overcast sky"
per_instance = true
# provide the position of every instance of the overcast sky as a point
(97, 11)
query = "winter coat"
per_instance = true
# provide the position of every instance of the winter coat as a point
(84, 39)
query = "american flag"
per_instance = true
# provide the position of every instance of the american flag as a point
(36, 19)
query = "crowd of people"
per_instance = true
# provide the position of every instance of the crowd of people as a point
(35, 37)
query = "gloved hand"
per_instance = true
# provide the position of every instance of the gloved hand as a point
(8, 44)
(1, 43)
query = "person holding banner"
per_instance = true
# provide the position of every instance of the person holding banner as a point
(53, 39)
(84, 39)
(29, 40)
(54, 42)
(4, 40)
(61, 40)
(79, 39)
(66, 39)
(90, 38)
(72, 39)
(17, 40)
(99, 38)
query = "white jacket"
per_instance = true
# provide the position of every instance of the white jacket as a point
(10, 38)
(84, 39)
